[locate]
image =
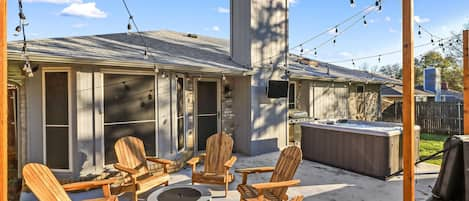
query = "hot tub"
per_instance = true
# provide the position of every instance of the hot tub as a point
(370, 148)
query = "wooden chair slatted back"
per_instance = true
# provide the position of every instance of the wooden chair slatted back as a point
(130, 152)
(43, 183)
(286, 167)
(218, 151)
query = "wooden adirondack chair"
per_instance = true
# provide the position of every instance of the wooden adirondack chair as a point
(281, 179)
(132, 160)
(217, 162)
(46, 187)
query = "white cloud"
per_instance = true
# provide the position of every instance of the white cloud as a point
(216, 28)
(223, 10)
(392, 30)
(421, 20)
(79, 25)
(87, 10)
(291, 2)
(387, 18)
(54, 1)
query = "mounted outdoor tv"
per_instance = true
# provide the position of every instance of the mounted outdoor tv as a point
(277, 89)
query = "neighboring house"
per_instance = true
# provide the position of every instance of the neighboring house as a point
(328, 91)
(432, 90)
(393, 93)
(88, 91)
(432, 83)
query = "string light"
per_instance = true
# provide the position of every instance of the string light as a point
(131, 22)
(315, 52)
(352, 3)
(20, 28)
(129, 25)
(364, 21)
(353, 63)
(145, 54)
(420, 31)
(379, 59)
(380, 56)
(365, 11)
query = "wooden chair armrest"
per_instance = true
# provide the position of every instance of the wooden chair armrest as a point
(125, 169)
(255, 170)
(159, 160)
(87, 184)
(271, 185)
(193, 161)
(230, 162)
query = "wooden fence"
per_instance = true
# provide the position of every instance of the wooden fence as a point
(432, 117)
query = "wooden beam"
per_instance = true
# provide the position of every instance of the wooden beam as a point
(466, 80)
(408, 104)
(3, 102)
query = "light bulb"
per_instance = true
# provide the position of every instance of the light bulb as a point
(145, 55)
(352, 3)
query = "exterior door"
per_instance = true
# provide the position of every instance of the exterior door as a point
(208, 113)
(12, 144)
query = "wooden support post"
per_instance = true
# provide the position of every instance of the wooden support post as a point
(3, 102)
(408, 101)
(466, 80)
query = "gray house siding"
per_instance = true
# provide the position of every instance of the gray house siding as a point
(242, 116)
(88, 114)
(337, 100)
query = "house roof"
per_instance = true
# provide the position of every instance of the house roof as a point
(396, 91)
(452, 93)
(308, 68)
(170, 50)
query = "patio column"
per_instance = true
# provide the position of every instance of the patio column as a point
(408, 102)
(466, 80)
(3, 102)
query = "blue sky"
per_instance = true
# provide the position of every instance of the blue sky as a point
(61, 18)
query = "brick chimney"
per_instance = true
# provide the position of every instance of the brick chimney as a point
(444, 86)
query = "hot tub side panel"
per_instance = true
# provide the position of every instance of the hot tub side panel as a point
(375, 156)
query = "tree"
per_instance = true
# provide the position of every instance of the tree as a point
(450, 69)
(393, 71)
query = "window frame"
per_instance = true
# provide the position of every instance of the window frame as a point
(70, 121)
(175, 111)
(294, 83)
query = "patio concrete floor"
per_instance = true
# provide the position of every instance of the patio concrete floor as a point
(318, 182)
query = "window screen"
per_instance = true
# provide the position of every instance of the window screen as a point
(56, 120)
(180, 113)
(129, 110)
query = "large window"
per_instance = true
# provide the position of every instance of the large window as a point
(180, 113)
(129, 110)
(56, 111)
(291, 95)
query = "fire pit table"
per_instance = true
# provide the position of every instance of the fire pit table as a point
(181, 193)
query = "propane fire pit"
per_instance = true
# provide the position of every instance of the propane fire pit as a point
(181, 193)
